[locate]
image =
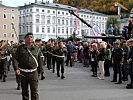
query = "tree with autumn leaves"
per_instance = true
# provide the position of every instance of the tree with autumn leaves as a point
(103, 6)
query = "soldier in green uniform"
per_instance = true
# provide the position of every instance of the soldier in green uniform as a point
(39, 43)
(18, 77)
(54, 57)
(60, 52)
(28, 63)
(49, 47)
(3, 60)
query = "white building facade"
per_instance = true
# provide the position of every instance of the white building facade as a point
(54, 20)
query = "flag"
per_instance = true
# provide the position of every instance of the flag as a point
(76, 22)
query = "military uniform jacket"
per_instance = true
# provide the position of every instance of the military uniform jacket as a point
(28, 58)
(60, 51)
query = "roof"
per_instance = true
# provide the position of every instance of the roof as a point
(59, 6)
(1, 5)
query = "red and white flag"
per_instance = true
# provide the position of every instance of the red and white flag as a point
(76, 22)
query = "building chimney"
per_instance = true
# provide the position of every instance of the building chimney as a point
(35, 1)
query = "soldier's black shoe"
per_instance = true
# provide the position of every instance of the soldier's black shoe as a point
(18, 88)
(129, 86)
(4, 79)
(125, 79)
(113, 81)
(118, 83)
(42, 77)
(58, 75)
(53, 71)
(62, 77)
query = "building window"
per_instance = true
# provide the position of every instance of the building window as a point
(53, 19)
(37, 29)
(43, 29)
(62, 30)
(67, 22)
(53, 29)
(48, 19)
(5, 27)
(58, 12)
(53, 12)
(27, 28)
(5, 16)
(37, 18)
(4, 35)
(58, 30)
(63, 21)
(71, 21)
(13, 35)
(48, 29)
(13, 16)
(37, 10)
(71, 30)
(66, 13)
(67, 30)
(30, 28)
(48, 11)
(43, 19)
(62, 13)
(12, 25)
(59, 21)
(43, 10)
(30, 10)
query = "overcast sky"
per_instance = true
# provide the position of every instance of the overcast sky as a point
(15, 3)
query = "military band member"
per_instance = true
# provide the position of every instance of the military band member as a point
(49, 47)
(29, 58)
(3, 60)
(60, 52)
(54, 57)
(39, 43)
(18, 77)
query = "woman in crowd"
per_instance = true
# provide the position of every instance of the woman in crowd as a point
(107, 60)
(93, 55)
(101, 60)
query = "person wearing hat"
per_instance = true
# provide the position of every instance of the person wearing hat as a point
(28, 62)
(117, 56)
(60, 51)
(39, 43)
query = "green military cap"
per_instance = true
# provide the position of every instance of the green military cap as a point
(29, 33)
(37, 40)
(20, 41)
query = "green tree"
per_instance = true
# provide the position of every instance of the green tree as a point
(113, 20)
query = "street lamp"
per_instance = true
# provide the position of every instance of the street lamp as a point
(56, 19)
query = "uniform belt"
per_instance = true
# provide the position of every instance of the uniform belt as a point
(27, 70)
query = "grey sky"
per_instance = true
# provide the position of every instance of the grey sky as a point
(15, 3)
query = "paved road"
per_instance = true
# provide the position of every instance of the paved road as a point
(78, 85)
